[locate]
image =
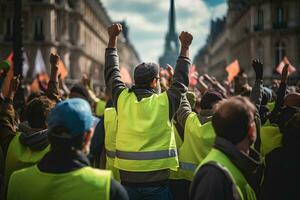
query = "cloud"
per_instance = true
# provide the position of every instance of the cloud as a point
(148, 22)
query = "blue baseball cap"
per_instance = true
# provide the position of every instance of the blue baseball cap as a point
(73, 114)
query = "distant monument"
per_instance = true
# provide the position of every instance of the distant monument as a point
(171, 44)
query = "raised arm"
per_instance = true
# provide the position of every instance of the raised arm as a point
(53, 84)
(280, 94)
(256, 93)
(112, 75)
(180, 80)
(7, 115)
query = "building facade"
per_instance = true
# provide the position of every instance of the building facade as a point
(264, 29)
(75, 29)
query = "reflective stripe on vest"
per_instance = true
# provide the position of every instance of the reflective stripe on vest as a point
(188, 166)
(150, 155)
(110, 154)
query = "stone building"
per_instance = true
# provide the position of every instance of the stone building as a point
(264, 29)
(75, 29)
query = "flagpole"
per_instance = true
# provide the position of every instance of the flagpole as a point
(18, 52)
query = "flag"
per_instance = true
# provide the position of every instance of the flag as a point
(281, 65)
(39, 73)
(126, 78)
(233, 69)
(39, 64)
(9, 75)
(25, 65)
(62, 70)
(192, 77)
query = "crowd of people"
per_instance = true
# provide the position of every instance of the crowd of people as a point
(156, 140)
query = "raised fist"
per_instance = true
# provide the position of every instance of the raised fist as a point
(185, 39)
(54, 59)
(258, 68)
(114, 30)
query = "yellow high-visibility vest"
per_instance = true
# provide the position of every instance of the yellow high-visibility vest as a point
(110, 126)
(242, 187)
(145, 137)
(85, 183)
(198, 141)
(20, 156)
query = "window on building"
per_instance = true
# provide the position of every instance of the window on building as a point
(280, 15)
(72, 32)
(8, 28)
(260, 18)
(72, 3)
(260, 52)
(279, 52)
(39, 29)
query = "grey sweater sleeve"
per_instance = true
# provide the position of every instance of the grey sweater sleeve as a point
(184, 111)
(112, 74)
(179, 84)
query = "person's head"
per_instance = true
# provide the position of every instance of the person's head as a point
(36, 112)
(266, 96)
(70, 125)
(292, 99)
(147, 75)
(291, 132)
(285, 115)
(209, 99)
(79, 91)
(234, 121)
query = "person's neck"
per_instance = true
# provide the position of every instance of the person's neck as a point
(244, 147)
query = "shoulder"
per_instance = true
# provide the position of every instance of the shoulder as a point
(210, 182)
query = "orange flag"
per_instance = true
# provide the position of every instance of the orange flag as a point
(285, 61)
(233, 69)
(62, 70)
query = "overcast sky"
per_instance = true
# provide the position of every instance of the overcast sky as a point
(148, 21)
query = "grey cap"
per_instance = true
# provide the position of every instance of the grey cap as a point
(145, 72)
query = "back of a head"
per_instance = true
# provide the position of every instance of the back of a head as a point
(291, 133)
(68, 122)
(37, 110)
(210, 98)
(79, 91)
(144, 73)
(232, 118)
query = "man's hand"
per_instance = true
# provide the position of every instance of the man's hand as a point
(185, 39)
(258, 68)
(113, 31)
(13, 87)
(54, 60)
(285, 73)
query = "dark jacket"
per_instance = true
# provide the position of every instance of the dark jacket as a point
(210, 182)
(282, 174)
(175, 93)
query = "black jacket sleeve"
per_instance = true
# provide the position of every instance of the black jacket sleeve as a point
(117, 191)
(211, 183)
(179, 85)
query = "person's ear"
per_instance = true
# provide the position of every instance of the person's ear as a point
(153, 83)
(87, 140)
(252, 132)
